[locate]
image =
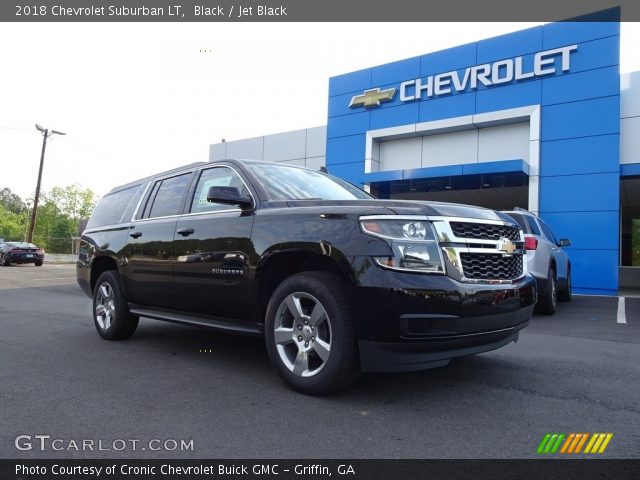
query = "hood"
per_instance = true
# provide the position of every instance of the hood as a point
(404, 207)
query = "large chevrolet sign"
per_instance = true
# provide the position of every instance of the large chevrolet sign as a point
(487, 74)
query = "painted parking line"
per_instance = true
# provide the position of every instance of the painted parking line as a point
(622, 314)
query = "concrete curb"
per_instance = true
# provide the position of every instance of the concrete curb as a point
(59, 258)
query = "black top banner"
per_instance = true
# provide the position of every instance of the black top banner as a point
(318, 469)
(314, 11)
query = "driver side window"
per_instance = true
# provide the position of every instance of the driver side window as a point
(215, 177)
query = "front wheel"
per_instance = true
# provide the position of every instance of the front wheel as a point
(4, 261)
(110, 313)
(309, 334)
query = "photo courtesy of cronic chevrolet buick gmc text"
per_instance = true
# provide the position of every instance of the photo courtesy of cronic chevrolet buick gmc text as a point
(335, 281)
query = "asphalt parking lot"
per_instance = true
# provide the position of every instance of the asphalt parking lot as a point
(576, 372)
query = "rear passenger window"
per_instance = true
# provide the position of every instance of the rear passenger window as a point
(533, 225)
(167, 196)
(111, 208)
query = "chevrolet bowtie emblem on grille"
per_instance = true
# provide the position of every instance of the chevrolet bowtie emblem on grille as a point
(372, 98)
(506, 246)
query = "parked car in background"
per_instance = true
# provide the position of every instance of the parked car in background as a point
(20, 252)
(546, 260)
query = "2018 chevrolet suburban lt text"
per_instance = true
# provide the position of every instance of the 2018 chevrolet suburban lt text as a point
(336, 281)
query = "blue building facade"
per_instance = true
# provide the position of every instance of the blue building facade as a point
(536, 111)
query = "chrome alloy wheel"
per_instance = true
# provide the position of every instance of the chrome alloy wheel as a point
(302, 333)
(105, 306)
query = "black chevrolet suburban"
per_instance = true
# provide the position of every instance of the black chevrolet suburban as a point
(335, 281)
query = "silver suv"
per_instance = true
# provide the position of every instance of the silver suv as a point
(546, 260)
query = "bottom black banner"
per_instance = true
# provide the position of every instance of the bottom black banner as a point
(320, 469)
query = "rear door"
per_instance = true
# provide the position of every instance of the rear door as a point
(213, 249)
(148, 255)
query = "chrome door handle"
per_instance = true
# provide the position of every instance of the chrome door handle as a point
(185, 232)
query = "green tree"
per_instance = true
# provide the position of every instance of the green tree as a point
(60, 211)
(72, 201)
(12, 225)
(12, 202)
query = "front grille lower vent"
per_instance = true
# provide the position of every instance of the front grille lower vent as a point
(484, 231)
(491, 266)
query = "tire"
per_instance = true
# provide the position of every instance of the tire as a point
(3, 260)
(110, 313)
(39, 263)
(314, 348)
(565, 295)
(547, 303)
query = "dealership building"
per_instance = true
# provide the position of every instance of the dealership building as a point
(539, 119)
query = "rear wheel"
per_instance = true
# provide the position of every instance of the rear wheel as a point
(39, 263)
(565, 295)
(309, 334)
(110, 313)
(547, 303)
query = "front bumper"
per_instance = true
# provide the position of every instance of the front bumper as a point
(407, 321)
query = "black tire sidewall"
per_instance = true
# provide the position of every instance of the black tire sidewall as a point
(565, 295)
(545, 303)
(328, 290)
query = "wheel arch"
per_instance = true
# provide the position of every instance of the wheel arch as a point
(100, 265)
(280, 264)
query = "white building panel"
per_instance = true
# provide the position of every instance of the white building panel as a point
(217, 151)
(450, 148)
(250, 148)
(630, 140)
(316, 142)
(504, 142)
(630, 95)
(401, 154)
(315, 163)
(285, 146)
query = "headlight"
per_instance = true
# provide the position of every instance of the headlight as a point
(412, 241)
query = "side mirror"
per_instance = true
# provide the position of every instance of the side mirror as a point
(564, 242)
(228, 196)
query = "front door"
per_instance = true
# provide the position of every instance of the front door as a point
(213, 249)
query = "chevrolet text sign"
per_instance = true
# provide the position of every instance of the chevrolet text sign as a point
(488, 74)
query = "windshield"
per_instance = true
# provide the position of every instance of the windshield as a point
(291, 183)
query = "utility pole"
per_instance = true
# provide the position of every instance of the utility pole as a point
(45, 134)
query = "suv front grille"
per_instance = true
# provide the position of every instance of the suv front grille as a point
(484, 231)
(491, 266)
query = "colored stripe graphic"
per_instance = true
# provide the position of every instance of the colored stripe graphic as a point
(598, 443)
(573, 442)
(551, 442)
(543, 443)
(581, 443)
